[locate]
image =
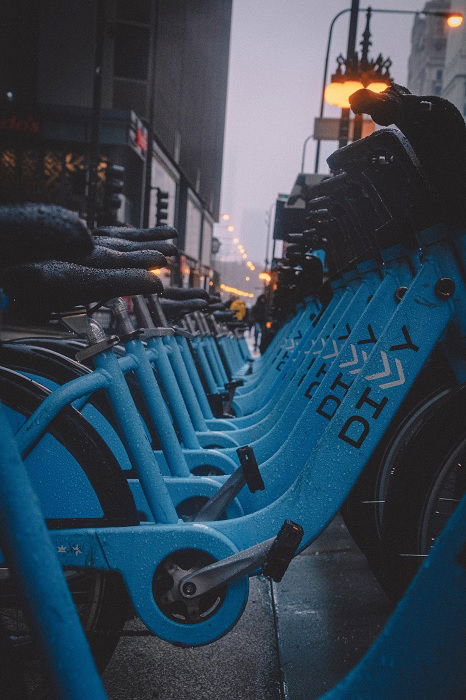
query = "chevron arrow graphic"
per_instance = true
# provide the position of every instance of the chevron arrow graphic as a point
(397, 382)
(333, 354)
(358, 369)
(317, 352)
(386, 368)
(355, 359)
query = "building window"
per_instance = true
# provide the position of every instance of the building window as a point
(162, 178)
(193, 228)
(207, 233)
(131, 52)
(439, 75)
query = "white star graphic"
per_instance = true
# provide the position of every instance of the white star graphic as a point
(61, 549)
(76, 549)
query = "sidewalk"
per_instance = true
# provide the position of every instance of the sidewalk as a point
(325, 613)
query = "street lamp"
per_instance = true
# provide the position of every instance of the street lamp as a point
(358, 72)
(453, 19)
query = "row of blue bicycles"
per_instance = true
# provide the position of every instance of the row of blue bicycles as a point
(150, 470)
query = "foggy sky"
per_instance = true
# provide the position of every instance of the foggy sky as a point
(276, 67)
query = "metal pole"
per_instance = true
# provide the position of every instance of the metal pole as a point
(269, 227)
(94, 146)
(350, 53)
(150, 126)
(324, 81)
(304, 150)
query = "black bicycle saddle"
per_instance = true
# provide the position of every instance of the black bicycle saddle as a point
(106, 258)
(223, 316)
(216, 306)
(157, 233)
(174, 310)
(36, 289)
(180, 294)
(167, 249)
(32, 232)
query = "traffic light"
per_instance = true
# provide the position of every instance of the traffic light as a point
(113, 187)
(161, 214)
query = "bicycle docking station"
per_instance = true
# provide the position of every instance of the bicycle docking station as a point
(357, 401)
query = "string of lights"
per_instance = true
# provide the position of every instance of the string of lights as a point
(237, 248)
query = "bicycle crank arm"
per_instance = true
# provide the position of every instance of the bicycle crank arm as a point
(273, 556)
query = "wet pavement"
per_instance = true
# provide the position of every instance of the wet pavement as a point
(324, 614)
(329, 609)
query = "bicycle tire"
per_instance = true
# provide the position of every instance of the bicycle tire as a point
(108, 607)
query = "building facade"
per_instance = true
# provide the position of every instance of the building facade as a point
(454, 78)
(428, 46)
(164, 69)
(437, 63)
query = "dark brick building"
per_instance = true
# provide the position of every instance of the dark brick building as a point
(164, 81)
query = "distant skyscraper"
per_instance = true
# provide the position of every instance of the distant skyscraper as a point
(437, 62)
(454, 73)
(428, 45)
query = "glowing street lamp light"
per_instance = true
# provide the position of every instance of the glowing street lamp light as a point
(235, 240)
(265, 277)
(455, 20)
(225, 217)
(230, 228)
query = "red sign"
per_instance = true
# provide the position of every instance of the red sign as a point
(24, 125)
(141, 139)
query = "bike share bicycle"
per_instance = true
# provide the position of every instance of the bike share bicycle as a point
(312, 494)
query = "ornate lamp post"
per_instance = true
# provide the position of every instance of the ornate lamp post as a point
(453, 20)
(354, 73)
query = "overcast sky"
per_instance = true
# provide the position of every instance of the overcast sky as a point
(276, 68)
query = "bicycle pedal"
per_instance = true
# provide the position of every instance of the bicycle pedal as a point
(251, 471)
(247, 473)
(216, 402)
(272, 556)
(283, 550)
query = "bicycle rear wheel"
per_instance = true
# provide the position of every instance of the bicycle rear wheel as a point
(101, 598)
(426, 482)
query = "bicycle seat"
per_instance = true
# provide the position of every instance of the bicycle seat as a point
(223, 316)
(167, 249)
(157, 233)
(180, 294)
(107, 258)
(174, 310)
(236, 324)
(37, 289)
(216, 307)
(31, 232)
